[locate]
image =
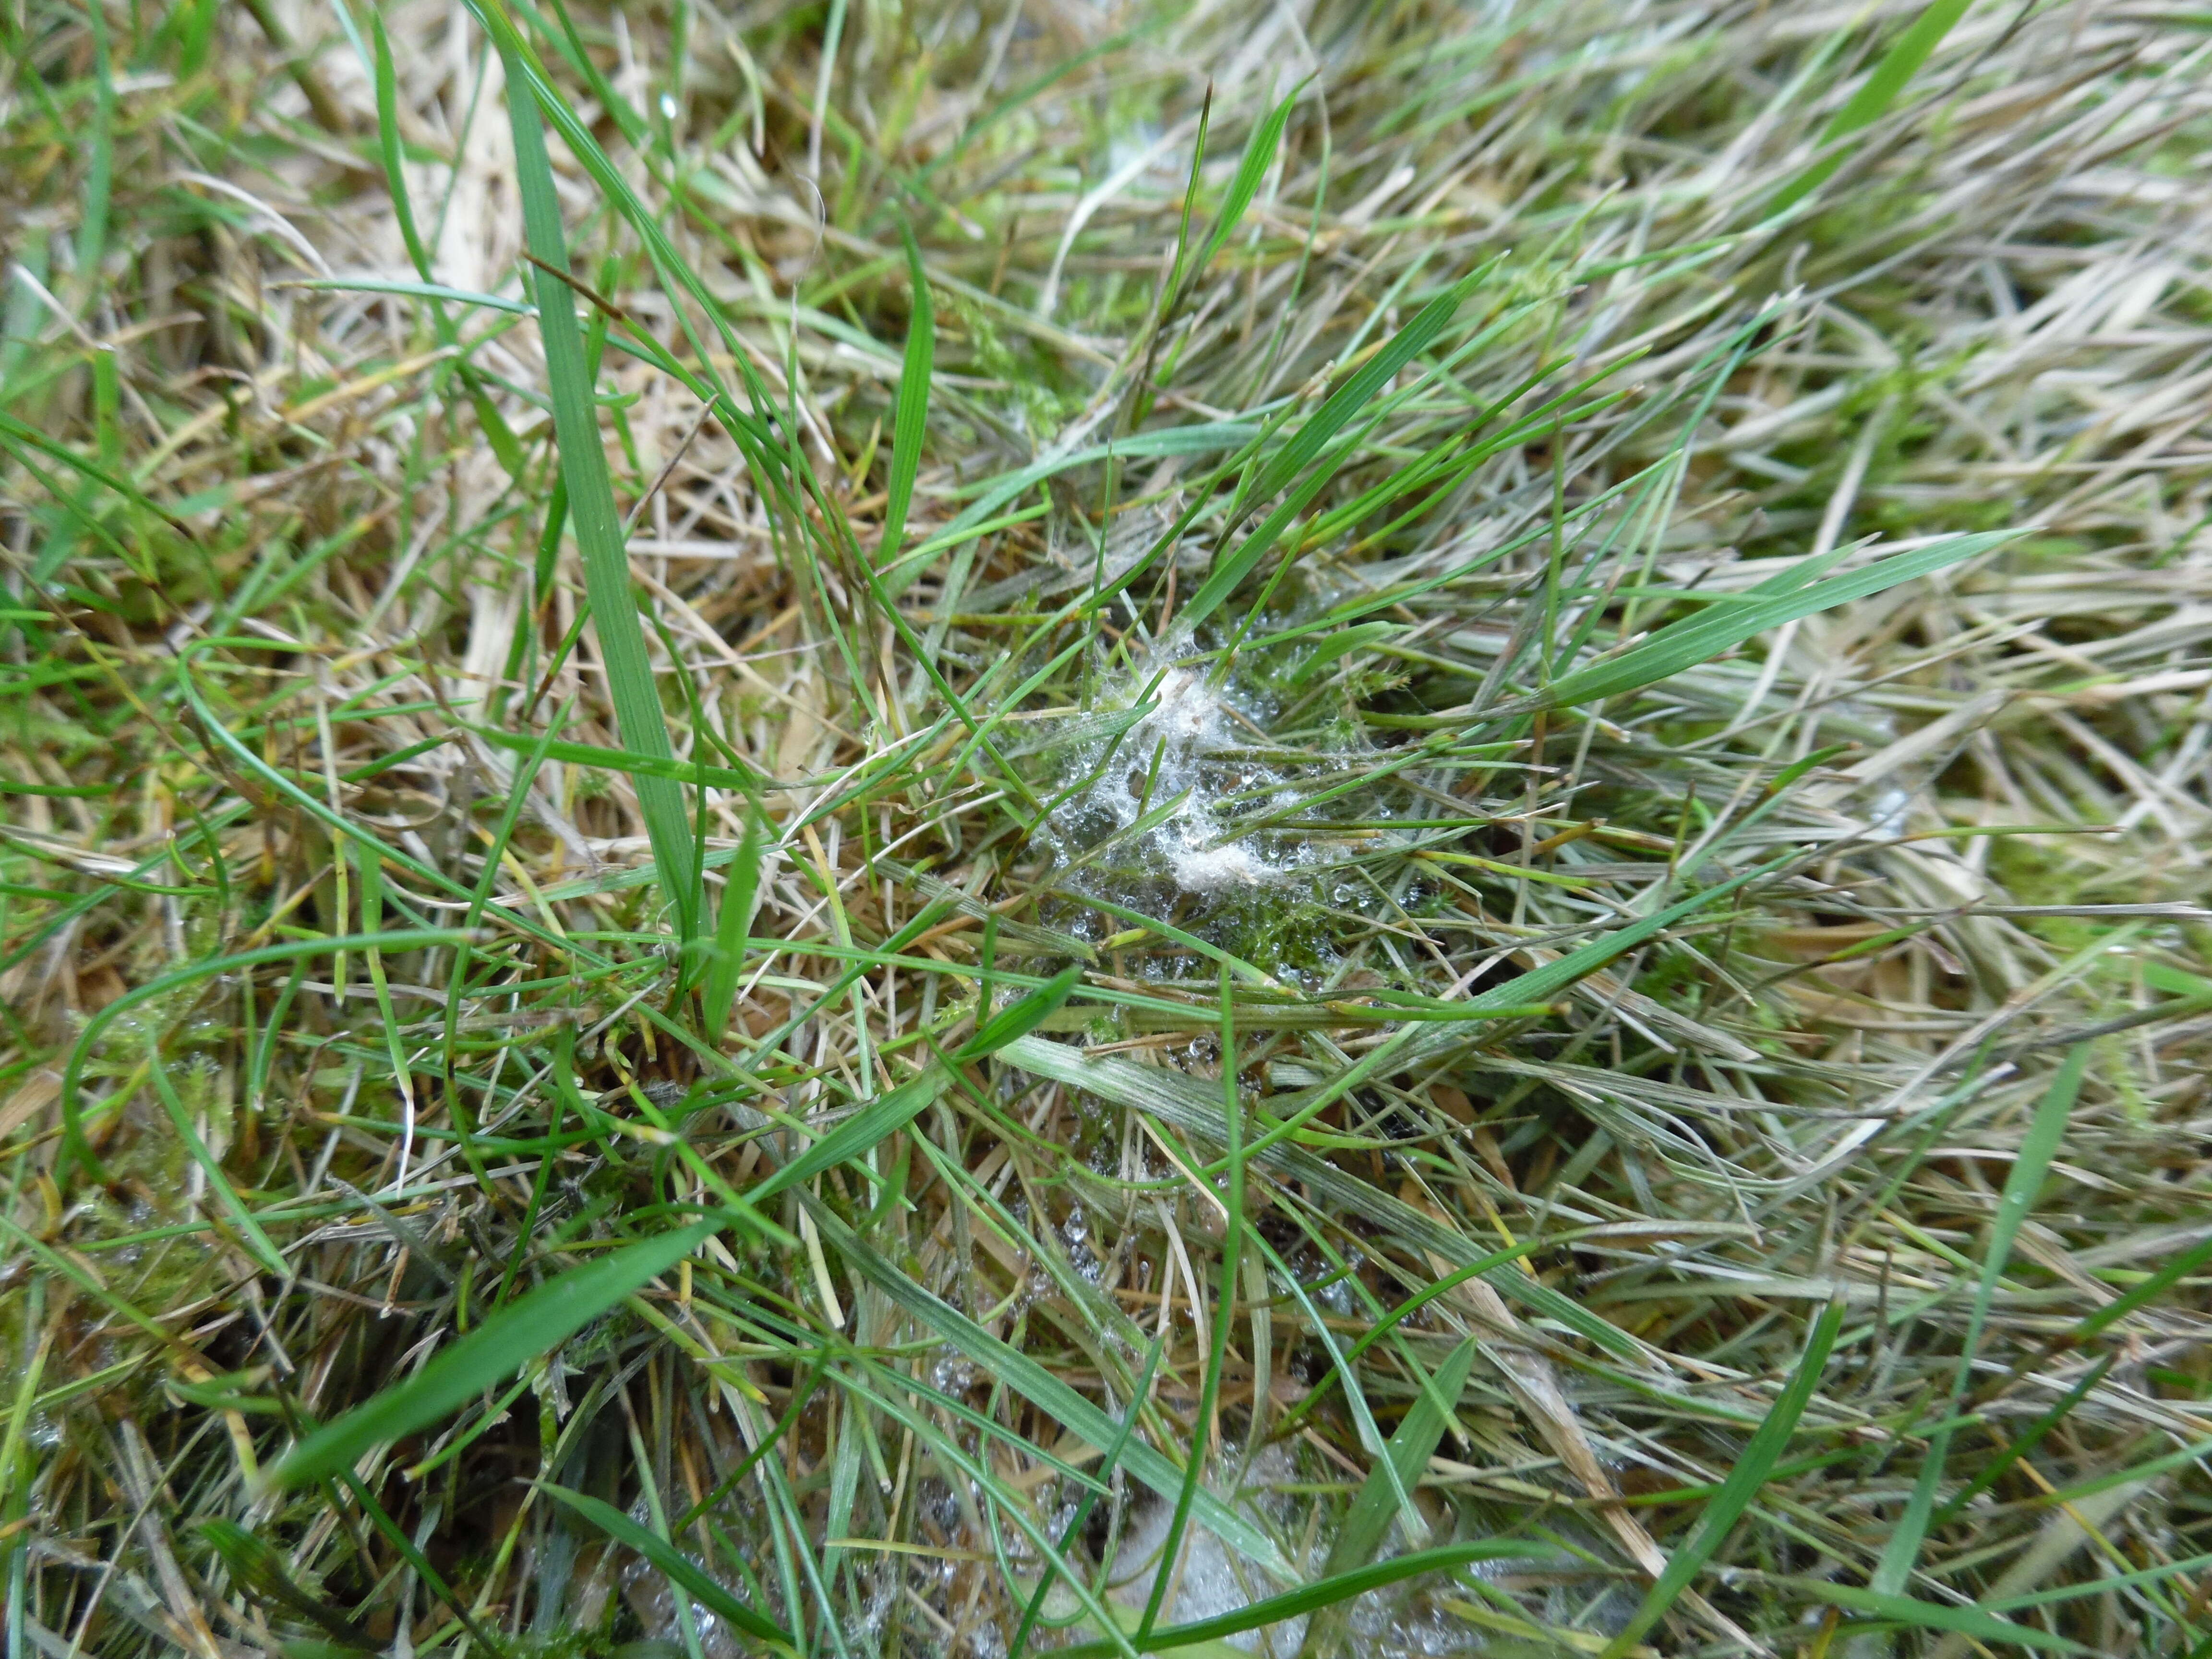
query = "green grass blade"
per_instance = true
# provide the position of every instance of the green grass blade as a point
(852, 1139)
(1259, 155)
(1305, 445)
(910, 421)
(1397, 1472)
(2024, 1441)
(1172, 288)
(257, 1568)
(2103, 1584)
(980, 1473)
(391, 148)
(1540, 984)
(32, 438)
(639, 717)
(2150, 1468)
(258, 1244)
(496, 431)
(701, 773)
(1230, 572)
(1799, 573)
(1243, 970)
(1359, 637)
(518, 798)
(1176, 1100)
(507, 1340)
(1321, 1593)
(1348, 399)
(2046, 1130)
(1916, 1614)
(570, 44)
(776, 459)
(1203, 438)
(1737, 1492)
(1023, 1017)
(251, 759)
(1026, 1377)
(410, 1554)
(678, 1568)
(1443, 465)
(1868, 105)
(1209, 1393)
(405, 289)
(1699, 639)
(1107, 1465)
(100, 172)
(2030, 1165)
(2150, 1291)
(733, 923)
(74, 1145)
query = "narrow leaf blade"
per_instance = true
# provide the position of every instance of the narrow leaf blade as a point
(1321, 1593)
(740, 893)
(1538, 984)
(1026, 1377)
(912, 414)
(677, 1567)
(630, 683)
(1335, 647)
(1913, 1612)
(1258, 156)
(1868, 104)
(2030, 1164)
(881, 1118)
(1699, 639)
(1176, 1099)
(1405, 1457)
(519, 1332)
(1742, 1485)
(1305, 446)
(638, 766)
(1355, 393)
(1024, 1016)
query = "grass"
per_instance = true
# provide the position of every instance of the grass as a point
(867, 829)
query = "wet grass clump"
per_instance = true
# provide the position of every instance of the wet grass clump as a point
(1287, 829)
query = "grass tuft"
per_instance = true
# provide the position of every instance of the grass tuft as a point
(1104, 828)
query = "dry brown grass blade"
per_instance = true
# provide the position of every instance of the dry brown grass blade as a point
(1534, 1385)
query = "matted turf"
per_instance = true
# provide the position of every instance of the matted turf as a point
(1282, 828)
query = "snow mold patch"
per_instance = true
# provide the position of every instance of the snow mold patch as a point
(1190, 749)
